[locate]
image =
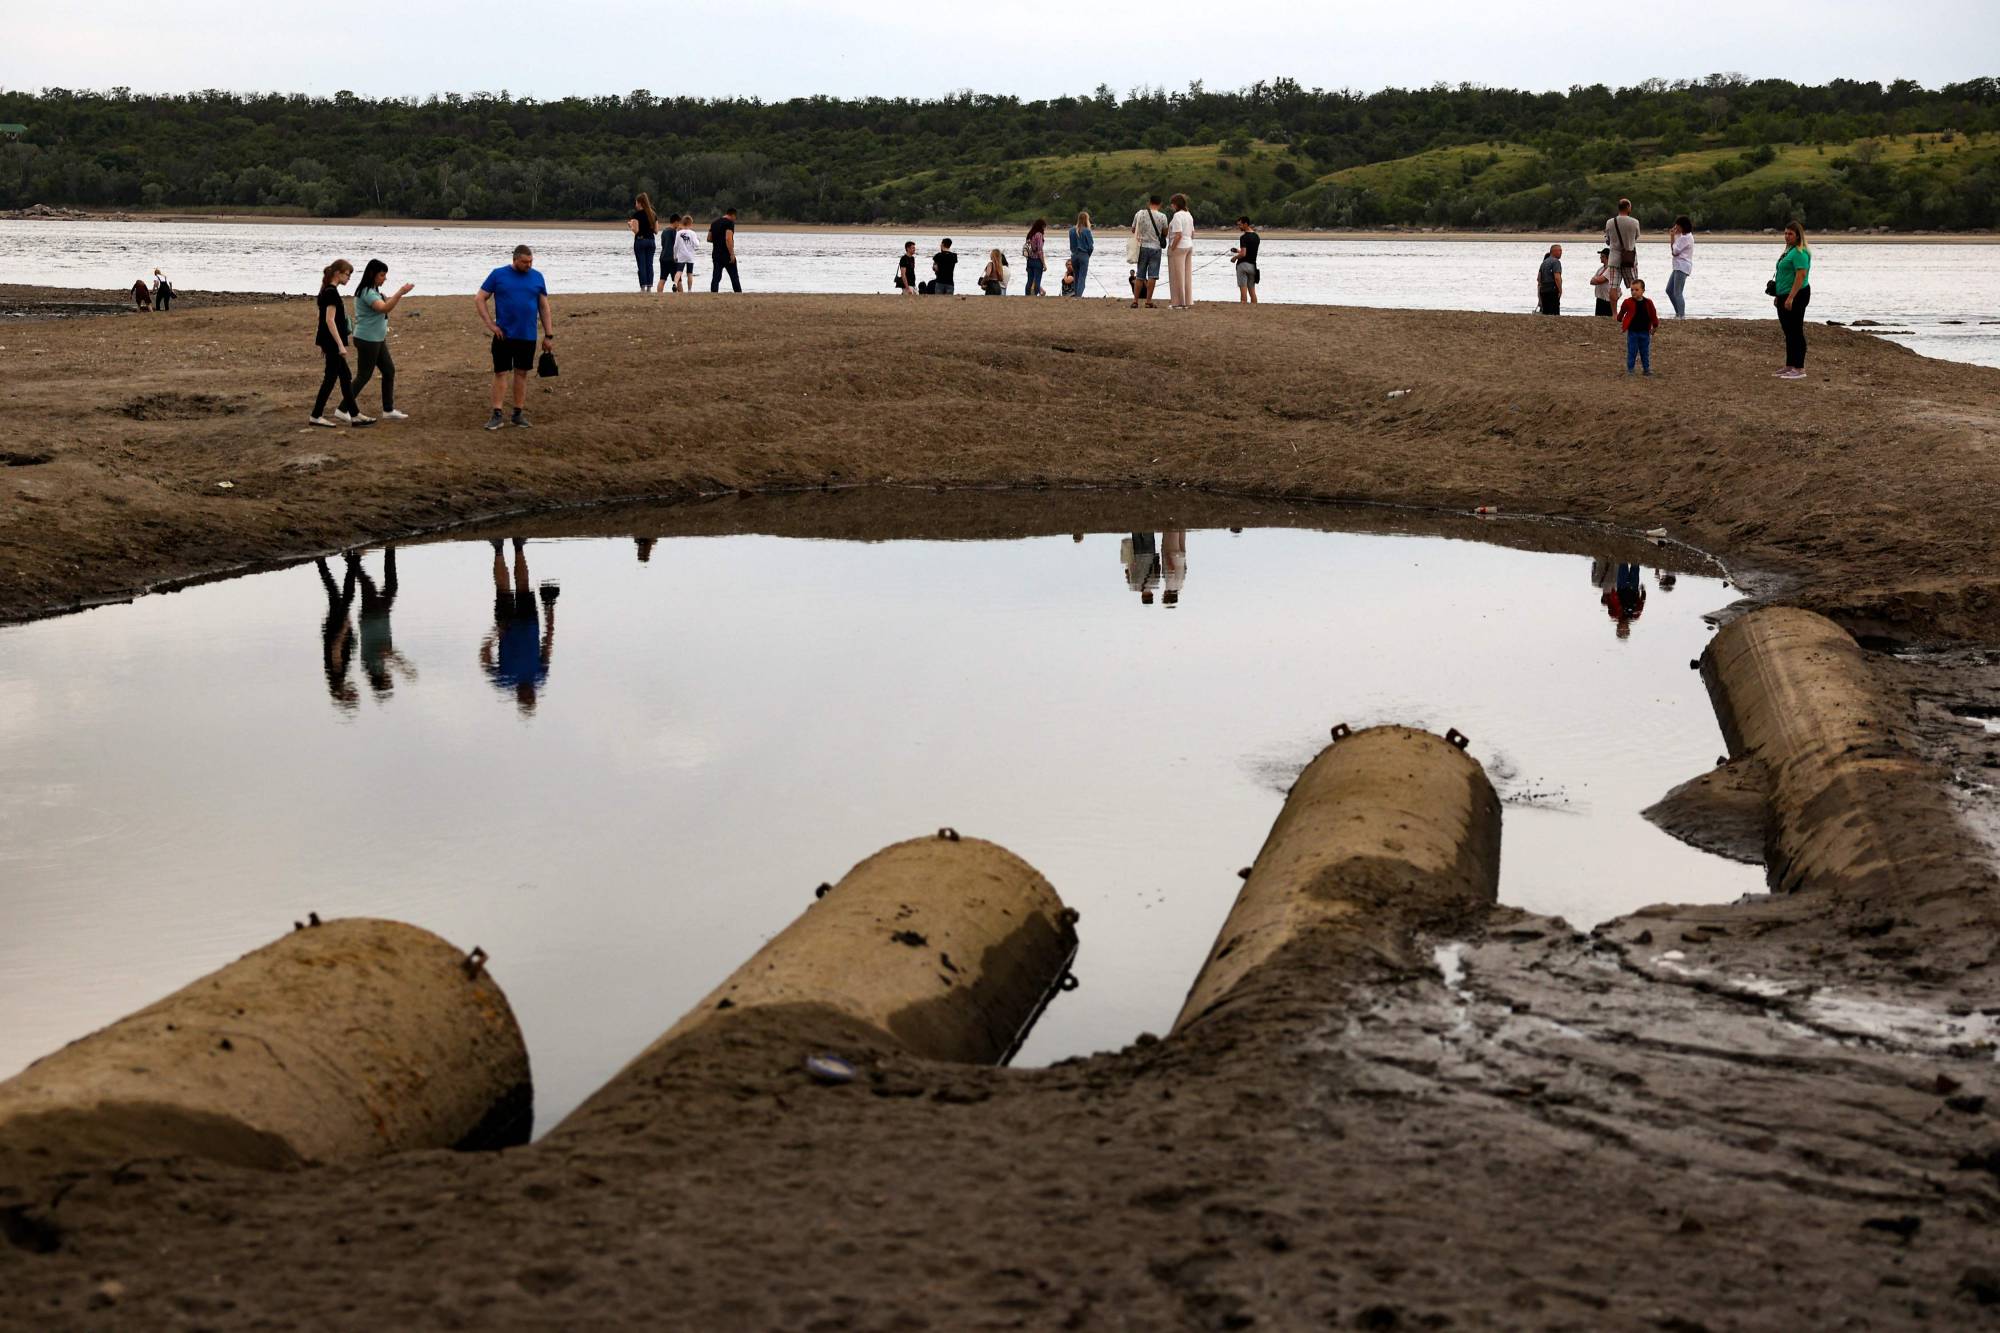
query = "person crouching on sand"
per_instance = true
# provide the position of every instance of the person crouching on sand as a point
(330, 335)
(1638, 317)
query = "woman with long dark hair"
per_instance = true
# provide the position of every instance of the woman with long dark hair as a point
(1033, 251)
(1792, 287)
(644, 225)
(371, 334)
(330, 334)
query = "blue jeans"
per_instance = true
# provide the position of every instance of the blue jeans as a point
(642, 250)
(1036, 268)
(1638, 347)
(1148, 268)
(1674, 286)
(1082, 271)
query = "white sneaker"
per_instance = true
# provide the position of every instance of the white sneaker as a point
(322, 421)
(360, 419)
(393, 415)
(343, 416)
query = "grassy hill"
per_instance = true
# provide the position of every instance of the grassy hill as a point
(1218, 182)
(1892, 181)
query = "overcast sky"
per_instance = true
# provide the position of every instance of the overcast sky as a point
(775, 49)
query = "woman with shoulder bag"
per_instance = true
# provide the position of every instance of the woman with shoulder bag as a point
(993, 281)
(1792, 290)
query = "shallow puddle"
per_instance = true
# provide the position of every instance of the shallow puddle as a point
(622, 789)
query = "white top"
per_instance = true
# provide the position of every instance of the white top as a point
(1180, 232)
(1150, 227)
(686, 247)
(1684, 253)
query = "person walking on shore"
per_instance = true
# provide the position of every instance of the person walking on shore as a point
(371, 334)
(944, 270)
(1792, 286)
(1082, 245)
(1245, 254)
(163, 291)
(1621, 237)
(644, 225)
(906, 270)
(1639, 319)
(1604, 285)
(1549, 283)
(1149, 227)
(1180, 255)
(687, 249)
(330, 333)
(1035, 251)
(518, 299)
(722, 251)
(1681, 242)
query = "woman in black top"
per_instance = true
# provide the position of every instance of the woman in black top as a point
(645, 226)
(330, 335)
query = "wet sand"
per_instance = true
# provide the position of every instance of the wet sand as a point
(1773, 1116)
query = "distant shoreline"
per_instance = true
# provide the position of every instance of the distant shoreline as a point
(1008, 229)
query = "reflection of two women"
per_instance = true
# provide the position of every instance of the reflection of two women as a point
(379, 658)
(1149, 562)
(1622, 591)
(516, 651)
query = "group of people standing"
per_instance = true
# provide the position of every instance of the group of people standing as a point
(1618, 270)
(1157, 239)
(673, 239)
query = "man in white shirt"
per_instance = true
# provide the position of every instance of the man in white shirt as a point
(1149, 224)
(1621, 237)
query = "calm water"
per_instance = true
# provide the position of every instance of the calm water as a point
(1915, 288)
(621, 796)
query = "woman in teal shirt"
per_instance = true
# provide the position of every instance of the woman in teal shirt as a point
(1793, 289)
(371, 334)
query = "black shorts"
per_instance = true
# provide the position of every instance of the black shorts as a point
(513, 354)
(686, 266)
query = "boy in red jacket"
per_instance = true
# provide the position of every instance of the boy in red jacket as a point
(1638, 317)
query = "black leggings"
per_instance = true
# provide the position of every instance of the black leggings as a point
(1793, 322)
(336, 373)
(374, 357)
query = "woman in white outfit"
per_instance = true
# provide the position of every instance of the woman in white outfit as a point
(1180, 255)
(1682, 242)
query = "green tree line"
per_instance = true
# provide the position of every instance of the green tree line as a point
(1732, 151)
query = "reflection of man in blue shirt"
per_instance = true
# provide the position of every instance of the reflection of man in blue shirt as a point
(516, 652)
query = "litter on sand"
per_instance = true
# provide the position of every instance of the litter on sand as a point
(226, 485)
(829, 1069)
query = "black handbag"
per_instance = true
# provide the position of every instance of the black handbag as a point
(1771, 287)
(546, 367)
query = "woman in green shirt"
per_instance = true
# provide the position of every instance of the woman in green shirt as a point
(1793, 289)
(371, 333)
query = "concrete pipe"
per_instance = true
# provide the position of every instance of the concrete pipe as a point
(949, 946)
(346, 1039)
(1388, 831)
(1851, 804)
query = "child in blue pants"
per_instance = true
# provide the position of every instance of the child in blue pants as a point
(1639, 318)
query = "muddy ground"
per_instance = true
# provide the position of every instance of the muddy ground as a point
(1779, 1115)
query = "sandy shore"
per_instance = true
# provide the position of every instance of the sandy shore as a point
(1586, 1132)
(931, 227)
(1869, 484)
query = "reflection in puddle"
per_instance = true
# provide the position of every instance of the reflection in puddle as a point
(735, 719)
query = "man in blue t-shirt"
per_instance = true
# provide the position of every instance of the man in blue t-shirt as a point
(511, 301)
